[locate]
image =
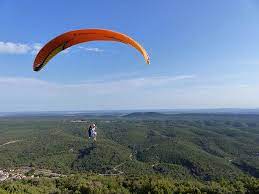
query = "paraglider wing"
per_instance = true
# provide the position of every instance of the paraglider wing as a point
(71, 38)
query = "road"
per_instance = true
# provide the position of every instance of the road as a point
(10, 142)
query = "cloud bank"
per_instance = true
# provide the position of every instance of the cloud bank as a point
(182, 91)
(19, 93)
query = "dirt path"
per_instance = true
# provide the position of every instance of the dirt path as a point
(119, 172)
(115, 168)
(152, 146)
(10, 142)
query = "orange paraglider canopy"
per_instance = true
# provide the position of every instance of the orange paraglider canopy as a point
(71, 38)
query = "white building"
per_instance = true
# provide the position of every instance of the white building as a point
(3, 175)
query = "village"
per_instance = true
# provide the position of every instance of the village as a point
(26, 173)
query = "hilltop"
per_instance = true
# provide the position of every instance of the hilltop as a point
(145, 115)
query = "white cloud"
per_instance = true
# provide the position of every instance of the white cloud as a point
(21, 81)
(91, 49)
(111, 86)
(19, 48)
(14, 48)
(33, 94)
(35, 48)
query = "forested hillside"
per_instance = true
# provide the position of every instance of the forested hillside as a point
(188, 149)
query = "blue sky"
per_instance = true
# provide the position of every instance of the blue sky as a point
(204, 54)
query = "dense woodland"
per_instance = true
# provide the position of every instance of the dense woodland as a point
(128, 184)
(180, 153)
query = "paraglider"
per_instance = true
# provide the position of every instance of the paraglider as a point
(71, 38)
(92, 132)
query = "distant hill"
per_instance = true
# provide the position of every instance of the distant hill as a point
(191, 116)
(145, 115)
